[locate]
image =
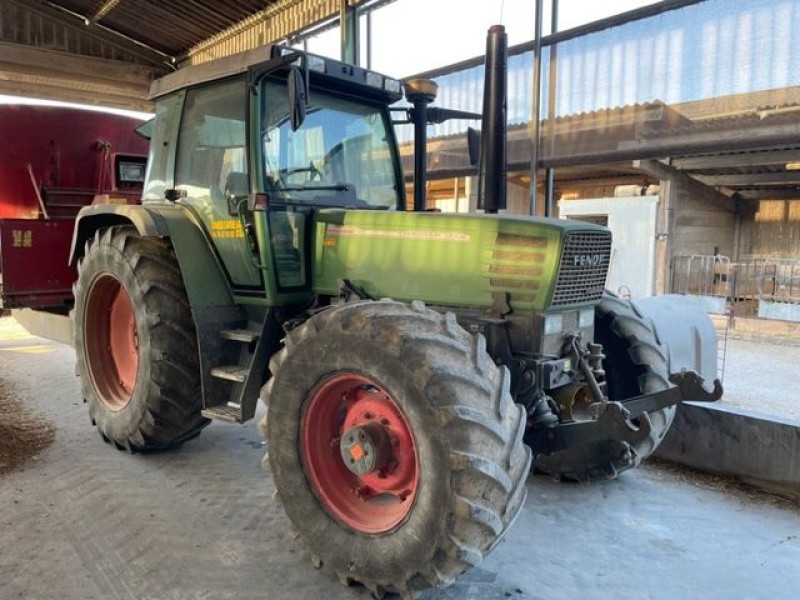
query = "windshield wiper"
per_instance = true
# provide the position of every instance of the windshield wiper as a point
(333, 187)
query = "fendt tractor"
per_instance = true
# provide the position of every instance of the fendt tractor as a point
(412, 362)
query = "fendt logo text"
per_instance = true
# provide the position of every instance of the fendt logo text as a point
(587, 260)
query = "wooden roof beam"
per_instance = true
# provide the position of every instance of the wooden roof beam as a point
(769, 194)
(717, 161)
(40, 73)
(751, 179)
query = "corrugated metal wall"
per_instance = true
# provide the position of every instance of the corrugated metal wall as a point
(700, 53)
(270, 25)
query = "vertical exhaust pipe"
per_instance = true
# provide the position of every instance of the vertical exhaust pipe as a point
(492, 166)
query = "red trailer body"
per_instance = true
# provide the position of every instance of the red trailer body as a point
(54, 161)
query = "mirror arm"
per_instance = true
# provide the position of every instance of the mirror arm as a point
(261, 70)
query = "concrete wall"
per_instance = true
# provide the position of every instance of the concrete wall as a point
(757, 449)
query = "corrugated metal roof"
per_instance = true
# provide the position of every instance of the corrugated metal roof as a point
(59, 49)
(189, 30)
(170, 27)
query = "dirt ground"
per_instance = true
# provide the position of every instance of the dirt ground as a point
(86, 522)
(23, 433)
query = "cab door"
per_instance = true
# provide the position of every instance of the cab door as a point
(211, 168)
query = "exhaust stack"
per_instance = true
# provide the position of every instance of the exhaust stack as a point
(492, 167)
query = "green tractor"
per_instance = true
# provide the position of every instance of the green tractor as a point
(412, 362)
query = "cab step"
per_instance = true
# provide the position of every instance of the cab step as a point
(246, 336)
(224, 412)
(244, 353)
(230, 372)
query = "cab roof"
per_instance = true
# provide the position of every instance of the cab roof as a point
(325, 69)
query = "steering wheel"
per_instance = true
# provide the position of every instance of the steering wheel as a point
(311, 169)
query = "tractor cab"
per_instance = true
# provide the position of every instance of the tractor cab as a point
(253, 155)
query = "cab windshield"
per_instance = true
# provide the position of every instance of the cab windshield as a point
(341, 155)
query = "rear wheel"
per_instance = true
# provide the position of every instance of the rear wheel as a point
(395, 446)
(135, 342)
(635, 364)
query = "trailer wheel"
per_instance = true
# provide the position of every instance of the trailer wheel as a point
(135, 342)
(394, 444)
(635, 364)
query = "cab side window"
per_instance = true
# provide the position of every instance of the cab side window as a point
(212, 158)
(211, 169)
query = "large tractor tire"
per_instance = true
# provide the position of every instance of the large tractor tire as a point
(635, 364)
(395, 446)
(135, 342)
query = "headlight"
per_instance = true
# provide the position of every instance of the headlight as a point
(553, 323)
(315, 63)
(391, 85)
(374, 80)
(586, 318)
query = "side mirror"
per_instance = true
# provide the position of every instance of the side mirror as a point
(474, 145)
(298, 97)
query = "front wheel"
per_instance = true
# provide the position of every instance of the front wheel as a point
(394, 443)
(635, 364)
(135, 342)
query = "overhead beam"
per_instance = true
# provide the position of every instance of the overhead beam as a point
(639, 180)
(665, 172)
(101, 11)
(40, 90)
(655, 168)
(18, 57)
(758, 159)
(751, 179)
(769, 194)
(58, 75)
(744, 139)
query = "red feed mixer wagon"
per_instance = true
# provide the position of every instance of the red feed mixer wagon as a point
(54, 161)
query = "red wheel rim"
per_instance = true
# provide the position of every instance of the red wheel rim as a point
(372, 501)
(110, 343)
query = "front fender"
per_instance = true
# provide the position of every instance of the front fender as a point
(685, 330)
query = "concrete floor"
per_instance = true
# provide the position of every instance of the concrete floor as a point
(84, 521)
(761, 376)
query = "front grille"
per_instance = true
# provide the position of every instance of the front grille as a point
(583, 269)
(515, 267)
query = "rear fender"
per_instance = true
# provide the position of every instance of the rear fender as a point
(100, 216)
(202, 273)
(686, 332)
(210, 296)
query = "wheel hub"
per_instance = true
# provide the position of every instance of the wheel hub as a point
(365, 448)
(110, 341)
(359, 453)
